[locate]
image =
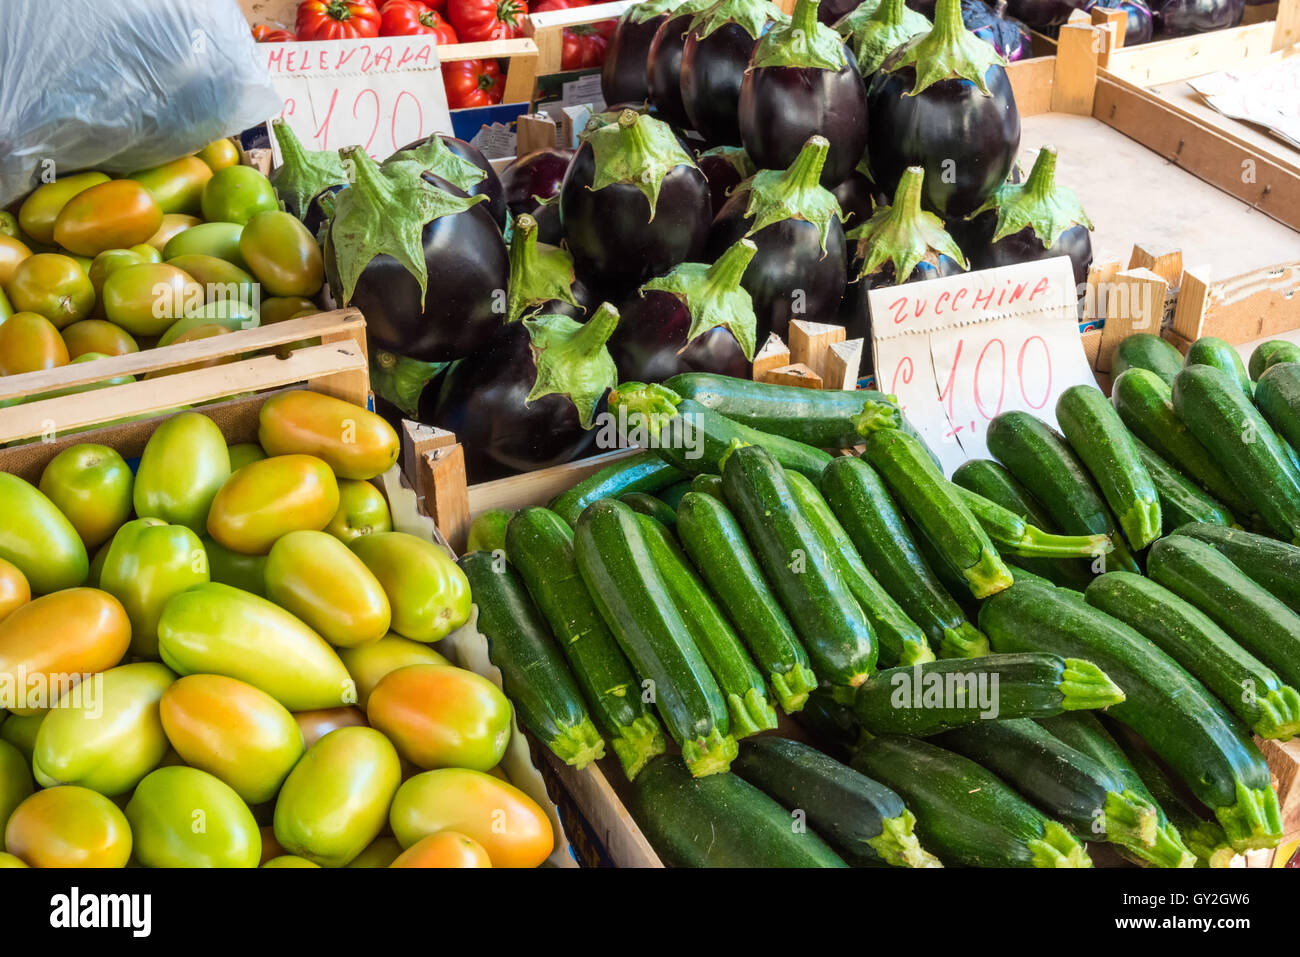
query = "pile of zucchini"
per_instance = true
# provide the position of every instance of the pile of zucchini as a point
(1070, 644)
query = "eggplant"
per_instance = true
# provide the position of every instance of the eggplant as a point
(901, 240)
(1008, 36)
(873, 33)
(1139, 25)
(320, 208)
(698, 318)
(714, 60)
(832, 12)
(1041, 14)
(663, 66)
(537, 276)
(529, 400)
(942, 101)
(1178, 18)
(725, 167)
(803, 81)
(633, 205)
(799, 270)
(1036, 219)
(303, 174)
(459, 163)
(623, 75)
(534, 176)
(858, 197)
(549, 228)
(426, 267)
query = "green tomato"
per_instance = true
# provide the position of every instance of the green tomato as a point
(290, 860)
(362, 510)
(38, 538)
(428, 593)
(315, 576)
(236, 194)
(184, 464)
(207, 239)
(228, 314)
(230, 567)
(241, 453)
(184, 817)
(20, 730)
(91, 485)
(381, 852)
(15, 781)
(148, 562)
(282, 254)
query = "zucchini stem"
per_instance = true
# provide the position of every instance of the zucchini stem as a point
(1129, 819)
(964, 641)
(988, 576)
(579, 745)
(750, 714)
(793, 687)
(710, 755)
(1279, 714)
(1084, 686)
(896, 844)
(1255, 821)
(1168, 850)
(635, 744)
(1058, 848)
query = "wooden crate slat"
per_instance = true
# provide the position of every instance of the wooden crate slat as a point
(1031, 84)
(1185, 57)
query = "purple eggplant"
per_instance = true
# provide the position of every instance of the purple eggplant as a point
(858, 198)
(943, 101)
(622, 76)
(714, 60)
(725, 167)
(663, 66)
(303, 174)
(319, 210)
(698, 318)
(799, 271)
(1009, 37)
(831, 12)
(803, 81)
(633, 205)
(461, 164)
(533, 177)
(528, 401)
(901, 240)
(1178, 18)
(872, 33)
(425, 266)
(1139, 24)
(1042, 14)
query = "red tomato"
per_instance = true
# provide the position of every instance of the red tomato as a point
(265, 33)
(545, 6)
(477, 20)
(337, 19)
(473, 83)
(402, 18)
(584, 46)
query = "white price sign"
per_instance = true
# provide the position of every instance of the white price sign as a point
(960, 350)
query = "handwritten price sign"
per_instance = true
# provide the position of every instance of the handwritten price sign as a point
(380, 94)
(961, 350)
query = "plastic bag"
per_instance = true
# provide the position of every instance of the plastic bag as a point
(118, 85)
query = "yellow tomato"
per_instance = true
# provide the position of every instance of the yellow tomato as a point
(30, 343)
(315, 576)
(111, 215)
(444, 849)
(184, 817)
(12, 253)
(14, 589)
(220, 153)
(270, 498)
(440, 716)
(172, 224)
(40, 210)
(69, 826)
(91, 485)
(184, 464)
(355, 442)
(38, 538)
(53, 286)
(314, 725)
(428, 593)
(147, 298)
(98, 336)
(368, 664)
(177, 187)
(362, 510)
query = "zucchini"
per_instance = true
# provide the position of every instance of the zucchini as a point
(487, 533)
(1249, 688)
(672, 495)
(863, 820)
(540, 546)
(1243, 444)
(1072, 787)
(859, 499)
(948, 573)
(1181, 501)
(533, 674)
(1142, 350)
(1220, 354)
(647, 504)
(901, 639)
(618, 569)
(1043, 462)
(640, 472)
(1277, 395)
(831, 724)
(996, 484)
(719, 821)
(1271, 564)
(1095, 432)
(938, 695)
(740, 681)
(1011, 534)
(1208, 747)
(964, 814)
(833, 628)
(1260, 623)
(717, 547)
(708, 484)
(1145, 404)
(694, 438)
(1271, 353)
(932, 503)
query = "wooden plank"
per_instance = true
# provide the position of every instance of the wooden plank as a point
(1135, 303)
(842, 365)
(796, 374)
(1031, 84)
(534, 132)
(1283, 759)
(1185, 57)
(1094, 295)
(773, 355)
(441, 475)
(810, 340)
(539, 487)
(547, 29)
(1112, 22)
(1256, 305)
(1165, 263)
(417, 439)
(1287, 31)
(599, 803)
(1075, 80)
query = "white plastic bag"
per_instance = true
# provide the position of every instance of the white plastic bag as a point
(118, 85)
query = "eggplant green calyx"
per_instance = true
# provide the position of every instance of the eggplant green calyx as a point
(436, 157)
(795, 193)
(801, 41)
(572, 360)
(948, 52)
(400, 379)
(714, 296)
(1037, 202)
(303, 173)
(537, 274)
(648, 405)
(875, 32)
(385, 211)
(639, 150)
(736, 156)
(904, 234)
(751, 15)
(649, 9)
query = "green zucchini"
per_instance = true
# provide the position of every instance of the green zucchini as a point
(740, 681)
(946, 570)
(712, 538)
(1221, 355)
(1095, 432)
(1171, 710)
(1271, 353)
(1142, 350)
(831, 724)
(719, 821)
(647, 504)
(619, 571)
(1043, 462)
(1269, 563)
(934, 505)
(1249, 688)
(929, 698)
(1181, 501)
(540, 546)
(1243, 444)
(640, 472)
(996, 484)
(533, 672)
(487, 533)
(1011, 534)
(901, 639)
(1145, 404)
(708, 484)
(1277, 395)
(1072, 787)
(672, 495)
(858, 498)
(830, 623)
(863, 820)
(694, 438)
(1197, 572)
(964, 814)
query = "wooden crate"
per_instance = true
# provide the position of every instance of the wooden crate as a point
(547, 29)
